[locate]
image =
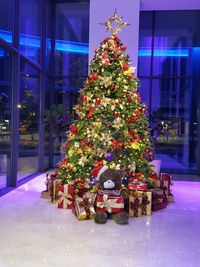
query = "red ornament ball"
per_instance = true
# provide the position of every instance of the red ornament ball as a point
(115, 113)
(125, 66)
(123, 48)
(82, 180)
(84, 98)
(137, 112)
(151, 158)
(133, 118)
(98, 100)
(76, 180)
(143, 109)
(147, 150)
(112, 86)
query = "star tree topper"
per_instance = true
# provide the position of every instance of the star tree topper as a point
(114, 23)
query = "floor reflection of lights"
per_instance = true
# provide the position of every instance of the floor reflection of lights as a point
(35, 233)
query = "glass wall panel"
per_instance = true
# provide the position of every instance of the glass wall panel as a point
(174, 122)
(6, 20)
(30, 25)
(29, 106)
(5, 114)
(175, 42)
(144, 91)
(172, 86)
(71, 63)
(145, 43)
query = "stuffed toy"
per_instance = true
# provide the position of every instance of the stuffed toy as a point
(110, 202)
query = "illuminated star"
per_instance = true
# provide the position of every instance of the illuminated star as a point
(114, 24)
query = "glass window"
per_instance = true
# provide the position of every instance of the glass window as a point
(30, 24)
(29, 107)
(176, 41)
(144, 91)
(174, 122)
(5, 114)
(145, 43)
(6, 20)
(71, 64)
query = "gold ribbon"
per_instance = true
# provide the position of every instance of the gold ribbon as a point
(109, 204)
(65, 197)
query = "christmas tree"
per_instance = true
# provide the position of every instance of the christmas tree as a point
(111, 128)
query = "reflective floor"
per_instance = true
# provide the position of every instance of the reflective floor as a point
(34, 233)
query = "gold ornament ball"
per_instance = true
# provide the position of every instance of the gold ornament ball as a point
(119, 79)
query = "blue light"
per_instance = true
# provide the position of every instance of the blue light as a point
(5, 35)
(82, 48)
(173, 52)
(66, 46)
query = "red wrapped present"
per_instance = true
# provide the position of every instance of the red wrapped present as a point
(65, 196)
(110, 203)
(136, 185)
(165, 182)
(109, 192)
(159, 206)
(157, 195)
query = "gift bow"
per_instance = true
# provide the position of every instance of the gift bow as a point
(145, 202)
(65, 197)
(135, 205)
(109, 204)
(87, 204)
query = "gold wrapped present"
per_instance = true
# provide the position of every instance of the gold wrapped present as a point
(146, 203)
(84, 207)
(56, 183)
(140, 204)
(170, 198)
(135, 209)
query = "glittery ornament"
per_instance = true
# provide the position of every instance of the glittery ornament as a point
(109, 156)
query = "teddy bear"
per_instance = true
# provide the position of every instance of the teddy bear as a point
(110, 202)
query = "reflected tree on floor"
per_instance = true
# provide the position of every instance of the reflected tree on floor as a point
(112, 128)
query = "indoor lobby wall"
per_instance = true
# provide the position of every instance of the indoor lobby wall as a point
(100, 10)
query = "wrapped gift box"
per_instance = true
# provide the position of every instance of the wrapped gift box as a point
(135, 206)
(165, 180)
(45, 194)
(84, 207)
(137, 186)
(159, 206)
(81, 190)
(157, 195)
(170, 198)
(56, 183)
(65, 196)
(140, 204)
(110, 192)
(110, 203)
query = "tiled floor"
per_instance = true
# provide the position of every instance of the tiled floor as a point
(34, 233)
